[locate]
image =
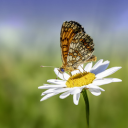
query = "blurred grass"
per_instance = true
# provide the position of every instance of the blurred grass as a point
(20, 106)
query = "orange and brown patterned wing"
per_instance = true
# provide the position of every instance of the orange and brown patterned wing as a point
(68, 31)
(80, 50)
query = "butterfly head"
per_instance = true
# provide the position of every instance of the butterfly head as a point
(61, 70)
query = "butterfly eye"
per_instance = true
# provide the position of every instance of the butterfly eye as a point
(62, 70)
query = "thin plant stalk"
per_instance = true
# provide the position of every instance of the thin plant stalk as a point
(85, 96)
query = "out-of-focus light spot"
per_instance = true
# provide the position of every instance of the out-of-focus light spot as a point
(10, 33)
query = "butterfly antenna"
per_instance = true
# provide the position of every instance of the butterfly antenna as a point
(47, 66)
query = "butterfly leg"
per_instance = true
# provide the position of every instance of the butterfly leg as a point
(82, 68)
(71, 77)
(70, 73)
(80, 72)
(63, 77)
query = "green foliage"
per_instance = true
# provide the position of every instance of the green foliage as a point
(20, 106)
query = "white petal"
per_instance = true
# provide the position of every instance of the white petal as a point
(75, 72)
(75, 90)
(52, 94)
(88, 67)
(98, 63)
(47, 91)
(61, 90)
(91, 86)
(102, 81)
(47, 86)
(106, 81)
(64, 95)
(95, 92)
(56, 71)
(80, 68)
(102, 67)
(116, 80)
(54, 81)
(105, 62)
(63, 76)
(48, 96)
(76, 98)
(107, 72)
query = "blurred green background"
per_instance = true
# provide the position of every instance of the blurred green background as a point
(29, 38)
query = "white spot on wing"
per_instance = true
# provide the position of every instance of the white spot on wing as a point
(77, 58)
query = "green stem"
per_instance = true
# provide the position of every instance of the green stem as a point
(85, 96)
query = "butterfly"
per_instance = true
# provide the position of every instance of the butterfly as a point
(76, 46)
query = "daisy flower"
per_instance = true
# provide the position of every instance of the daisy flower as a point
(90, 78)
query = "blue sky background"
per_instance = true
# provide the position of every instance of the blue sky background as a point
(40, 21)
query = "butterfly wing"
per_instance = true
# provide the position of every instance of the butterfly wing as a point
(80, 50)
(68, 30)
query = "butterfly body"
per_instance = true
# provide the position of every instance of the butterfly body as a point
(76, 46)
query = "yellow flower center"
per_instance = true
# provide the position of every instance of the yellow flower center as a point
(80, 79)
